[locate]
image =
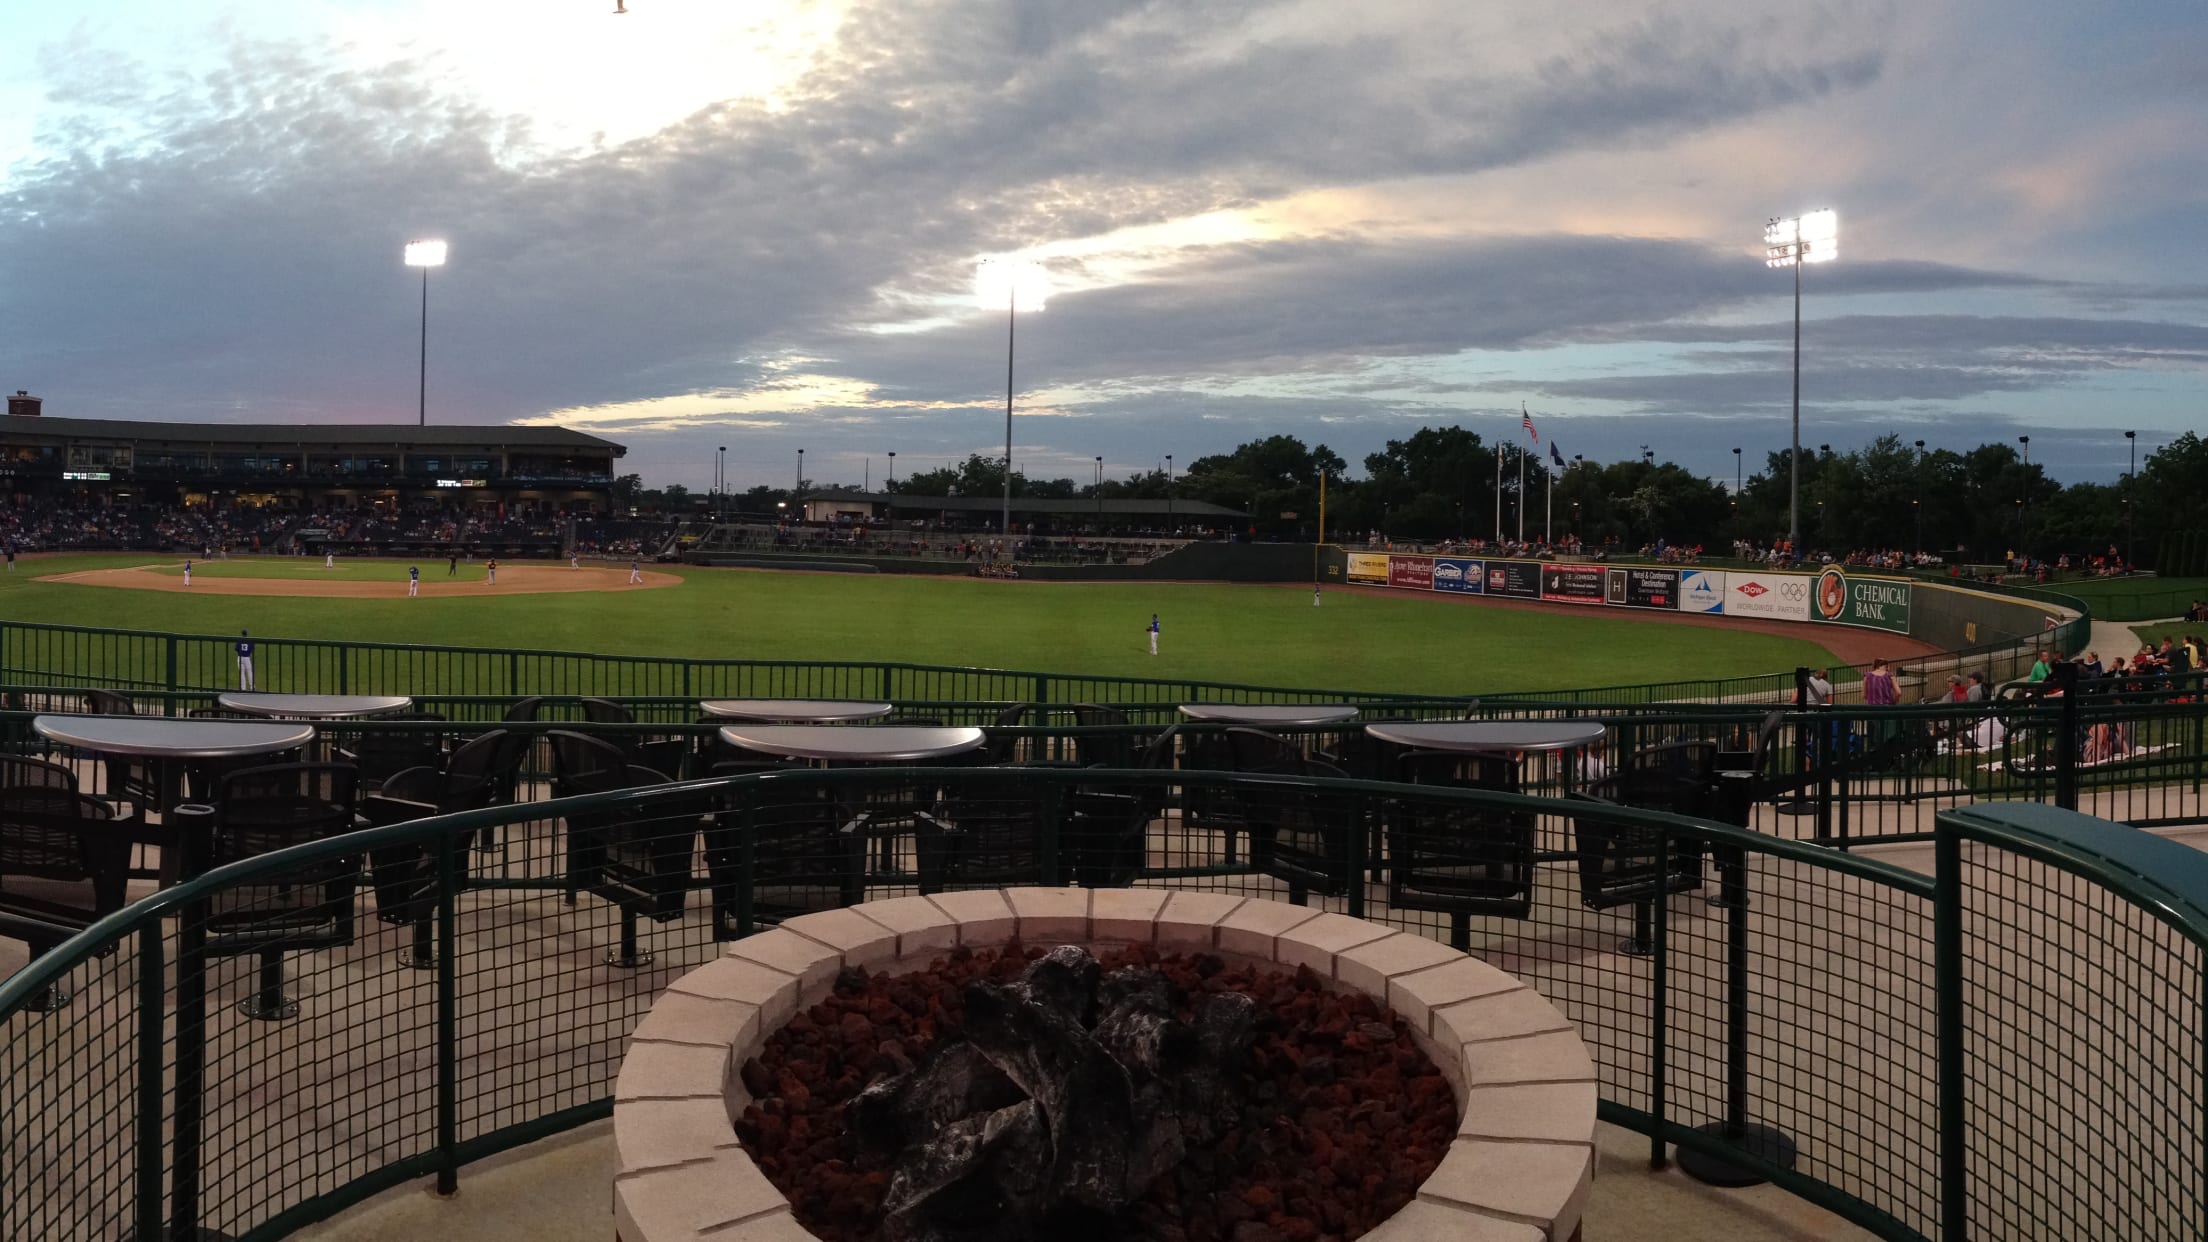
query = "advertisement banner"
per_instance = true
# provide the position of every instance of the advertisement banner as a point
(1649, 588)
(1572, 584)
(1416, 572)
(1368, 567)
(1702, 590)
(1455, 574)
(1515, 579)
(1876, 603)
(1781, 596)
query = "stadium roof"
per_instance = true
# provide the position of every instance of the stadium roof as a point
(396, 434)
(1074, 507)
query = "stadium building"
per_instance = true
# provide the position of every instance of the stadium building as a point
(505, 470)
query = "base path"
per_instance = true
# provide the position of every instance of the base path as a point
(1848, 644)
(512, 580)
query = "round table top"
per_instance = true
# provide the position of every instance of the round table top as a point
(173, 737)
(876, 744)
(1274, 714)
(1489, 735)
(795, 711)
(314, 706)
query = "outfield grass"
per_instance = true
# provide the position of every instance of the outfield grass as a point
(1254, 634)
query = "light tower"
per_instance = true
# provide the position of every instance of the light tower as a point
(1790, 241)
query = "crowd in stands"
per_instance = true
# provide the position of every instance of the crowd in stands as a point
(212, 529)
(933, 544)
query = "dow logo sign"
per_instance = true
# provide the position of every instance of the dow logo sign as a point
(1784, 597)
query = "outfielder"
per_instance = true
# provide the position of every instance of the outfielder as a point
(245, 661)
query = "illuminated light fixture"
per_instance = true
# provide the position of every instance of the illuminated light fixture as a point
(1019, 284)
(1813, 237)
(424, 255)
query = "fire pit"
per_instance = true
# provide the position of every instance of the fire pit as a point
(979, 1115)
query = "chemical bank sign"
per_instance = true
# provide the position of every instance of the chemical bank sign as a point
(1880, 603)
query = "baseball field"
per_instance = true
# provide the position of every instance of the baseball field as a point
(1267, 635)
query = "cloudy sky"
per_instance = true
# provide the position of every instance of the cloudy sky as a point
(755, 223)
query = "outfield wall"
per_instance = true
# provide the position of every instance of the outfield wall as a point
(1831, 596)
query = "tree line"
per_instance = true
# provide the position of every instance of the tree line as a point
(1439, 483)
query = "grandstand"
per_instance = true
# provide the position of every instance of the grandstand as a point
(85, 483)
(303, 467)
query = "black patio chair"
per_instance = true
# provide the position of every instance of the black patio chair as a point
(63, 867)
(311, 906)
(985, 832)
(379, 753)
(524, 711)
(999, 749)
(1110, 825)
(109, 703)
(794, 850)
(27, 772)
(637, 859)
(1300, 836)
(663, 755)
(1102, 750)
(403, 877)
(1454, 858)
(1621, 864)
(132, 779)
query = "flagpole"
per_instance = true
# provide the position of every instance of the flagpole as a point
(1498, 491)
(1548, 517)
(1521, 497)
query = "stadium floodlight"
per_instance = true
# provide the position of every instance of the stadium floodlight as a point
(1813, 237)
(424, 255)
(1020, 286)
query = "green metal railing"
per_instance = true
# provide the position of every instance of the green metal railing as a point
(147, 660)
(2010, 1046)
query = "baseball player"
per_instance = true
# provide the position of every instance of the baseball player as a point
(245, 661)
(574, 561)
(636, 574)
(490, 572)
(187, 571)
(1153, 633)
(452, 565)
(329, 559)
(1314, 595)
(413, 581)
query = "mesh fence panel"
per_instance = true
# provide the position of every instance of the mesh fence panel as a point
(2084, 1054)
(1802, 998)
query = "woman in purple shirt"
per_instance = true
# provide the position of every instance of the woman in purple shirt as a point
(1878, 686)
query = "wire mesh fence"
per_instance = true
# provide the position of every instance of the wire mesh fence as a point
(325, 1014)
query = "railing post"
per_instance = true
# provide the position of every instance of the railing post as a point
(1766, 1143)
(191, 1037)
(1658, 1028)
(1047, 848)
(448, 1015)
(2065, 678)
(1360, 832)
(152, 1054)
(344, 668)
(1947, 982)
(168, 707)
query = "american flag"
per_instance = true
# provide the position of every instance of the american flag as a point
(1527, 423)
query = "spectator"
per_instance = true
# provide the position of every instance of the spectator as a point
(1879, 689)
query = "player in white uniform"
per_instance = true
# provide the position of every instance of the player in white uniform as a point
(245, 661)
(187, 573)
(636, 575)
(1153, 633)
(413, 581)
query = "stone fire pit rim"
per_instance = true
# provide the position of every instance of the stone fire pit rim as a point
(1518, 1171)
